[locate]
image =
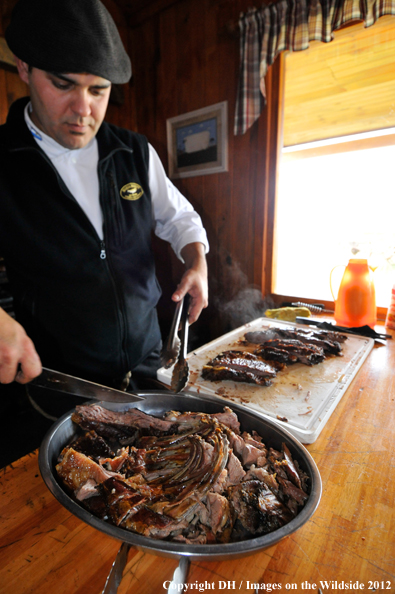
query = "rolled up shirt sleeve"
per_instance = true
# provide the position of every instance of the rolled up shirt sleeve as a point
(175, 219)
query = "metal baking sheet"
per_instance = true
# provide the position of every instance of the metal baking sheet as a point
(301, 398)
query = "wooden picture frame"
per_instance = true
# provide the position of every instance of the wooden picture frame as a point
(197, 141)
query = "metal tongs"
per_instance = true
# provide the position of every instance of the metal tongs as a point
(180, 375)
(171, 347)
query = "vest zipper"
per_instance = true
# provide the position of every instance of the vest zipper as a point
(118, 297)
(103, 253)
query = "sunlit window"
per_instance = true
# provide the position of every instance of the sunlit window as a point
(335, 203)
(336, 178)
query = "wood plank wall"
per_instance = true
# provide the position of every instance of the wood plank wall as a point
(184, 58)
(11, 87)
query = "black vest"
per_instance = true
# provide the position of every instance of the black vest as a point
(89, 306)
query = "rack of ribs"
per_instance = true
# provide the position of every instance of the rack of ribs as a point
(239, 366)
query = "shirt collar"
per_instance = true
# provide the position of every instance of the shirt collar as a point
(52, 148)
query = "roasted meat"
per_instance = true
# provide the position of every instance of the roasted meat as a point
(278, 347)
(80, 473)
(329, 341)
(239, 366)
(123, 427)
(290, 351)
(93, 445)
(190, 477)
(257, 508)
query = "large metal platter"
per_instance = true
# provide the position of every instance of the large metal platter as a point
(157, 403)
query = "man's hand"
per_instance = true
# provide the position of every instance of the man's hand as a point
(194, 280)
(18, 358)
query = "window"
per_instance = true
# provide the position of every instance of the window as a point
(336, 187)
(336, 202)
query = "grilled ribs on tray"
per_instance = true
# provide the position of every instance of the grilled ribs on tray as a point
(290, 351)
(189, 477)
(329, 341)
(239, 367)
(279, 346)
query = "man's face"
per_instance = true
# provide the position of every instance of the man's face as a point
(67, 107)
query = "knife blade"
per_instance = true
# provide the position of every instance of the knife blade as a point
(68, 384)
(362, 331)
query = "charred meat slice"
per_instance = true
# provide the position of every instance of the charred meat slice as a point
(135, 463)
(329, 341)
(290, 467)
(117, 425)
(331, 347)
(291, 351)
(329, 335)
(93, 445)
(257, 508)
(293, 492)
(121, 499)
(150, 523)
(239, 367)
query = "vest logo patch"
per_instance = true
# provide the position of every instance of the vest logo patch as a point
(131, 191)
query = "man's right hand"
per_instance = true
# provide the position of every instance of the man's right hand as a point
(19, 360)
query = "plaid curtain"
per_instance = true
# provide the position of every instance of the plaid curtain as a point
(289, 25)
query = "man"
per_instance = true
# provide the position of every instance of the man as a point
(78, 200)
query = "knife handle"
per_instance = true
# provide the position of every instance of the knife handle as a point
(307, 321)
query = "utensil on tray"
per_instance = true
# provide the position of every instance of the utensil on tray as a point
(360, 330)
(61, 382)
(114, 578)
(180, 375)
(171, 347)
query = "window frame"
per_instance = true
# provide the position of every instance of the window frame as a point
(276, 125)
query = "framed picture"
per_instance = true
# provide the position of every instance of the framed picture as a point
(197, 142)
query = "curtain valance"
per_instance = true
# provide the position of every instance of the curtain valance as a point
(289, 25)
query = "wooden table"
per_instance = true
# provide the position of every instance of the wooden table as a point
(349, 540)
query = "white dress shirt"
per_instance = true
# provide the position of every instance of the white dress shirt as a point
(174, 218)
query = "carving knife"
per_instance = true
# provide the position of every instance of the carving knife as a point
(68, 384)
(362, 331)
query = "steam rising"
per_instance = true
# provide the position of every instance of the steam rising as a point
(249, 304)
(237, 301)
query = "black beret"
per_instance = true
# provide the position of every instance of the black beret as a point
(68, 36)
